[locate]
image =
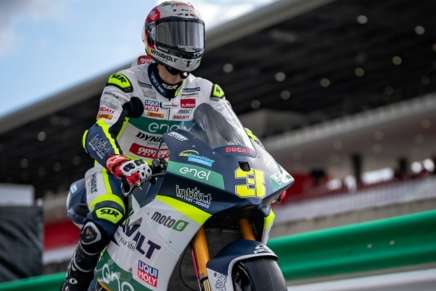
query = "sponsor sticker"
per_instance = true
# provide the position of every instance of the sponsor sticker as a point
(143, 60)
(93, 183)
(187, 153)
(181, 116)
(194, 196)
(197, 173)
(105, 112)
(178, 136)
(184, 111)
(109, 214)
(154, 126)
(148, 152)
(100, 145)
(220, 283)
(280, 178)
(201, 160)
(160, 55)
(168, 221)
(115, 94)
(147, 273)
(190, 90)
(105, 116)
(145, 85)
(195, 157)
(151, 105)
(238, 150)
(111, 276)
(168, 105)
(105, 109)
(149, 137)
(136, 239)
(155, 114)
(188, 103)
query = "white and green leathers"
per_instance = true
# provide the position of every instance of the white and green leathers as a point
(140, 137)
(162, 109)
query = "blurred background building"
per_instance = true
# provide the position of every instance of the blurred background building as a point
(341, 92)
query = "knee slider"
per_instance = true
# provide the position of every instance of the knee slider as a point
(92, 239)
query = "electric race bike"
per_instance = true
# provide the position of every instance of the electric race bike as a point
(201, 223)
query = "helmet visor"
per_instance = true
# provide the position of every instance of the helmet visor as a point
(181, 34)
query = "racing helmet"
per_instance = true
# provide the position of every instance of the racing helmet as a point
(174, 34)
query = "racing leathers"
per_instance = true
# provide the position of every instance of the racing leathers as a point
(136, 109)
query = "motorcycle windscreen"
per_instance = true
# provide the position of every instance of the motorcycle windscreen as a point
(216, 124)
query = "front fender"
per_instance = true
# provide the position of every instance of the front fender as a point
(219, 269)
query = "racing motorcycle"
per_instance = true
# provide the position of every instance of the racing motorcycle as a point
(203, 220)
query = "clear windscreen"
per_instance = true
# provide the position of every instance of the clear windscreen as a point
(182, 34)
(216, 124)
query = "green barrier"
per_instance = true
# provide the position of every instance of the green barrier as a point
(41, 283)
(408, 240)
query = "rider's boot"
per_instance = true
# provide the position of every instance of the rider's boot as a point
(81, 268)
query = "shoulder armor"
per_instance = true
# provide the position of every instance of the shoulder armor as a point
(217, 91)
(120, 81)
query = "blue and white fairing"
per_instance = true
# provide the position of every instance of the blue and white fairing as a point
(241, 172)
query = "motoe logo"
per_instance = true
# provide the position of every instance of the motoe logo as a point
(196, 173)
(168, 221)
(195, 196)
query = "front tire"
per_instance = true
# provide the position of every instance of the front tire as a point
(258, 274)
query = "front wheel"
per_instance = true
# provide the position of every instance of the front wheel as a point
(258, 274)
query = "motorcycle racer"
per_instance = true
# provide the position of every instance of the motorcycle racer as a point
(137, 106)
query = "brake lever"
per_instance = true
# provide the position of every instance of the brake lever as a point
(158, 168)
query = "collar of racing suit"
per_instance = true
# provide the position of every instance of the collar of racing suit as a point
(166, 90)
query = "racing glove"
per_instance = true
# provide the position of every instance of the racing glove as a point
(133, 172)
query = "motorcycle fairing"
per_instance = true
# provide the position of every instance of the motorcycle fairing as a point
(148, 246)
(267, 225)
(150, 240)
(276, 178)
(219, 269)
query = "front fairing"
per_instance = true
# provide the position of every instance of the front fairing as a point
(233, 175)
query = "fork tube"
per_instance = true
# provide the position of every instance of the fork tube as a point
(201, 252)
(246, 229)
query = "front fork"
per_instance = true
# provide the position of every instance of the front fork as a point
(200, 251)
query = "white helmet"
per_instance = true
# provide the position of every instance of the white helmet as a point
(173, 34)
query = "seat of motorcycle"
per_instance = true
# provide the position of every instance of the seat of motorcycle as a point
(77, 208)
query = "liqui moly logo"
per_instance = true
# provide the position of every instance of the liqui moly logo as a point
(147, 273)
